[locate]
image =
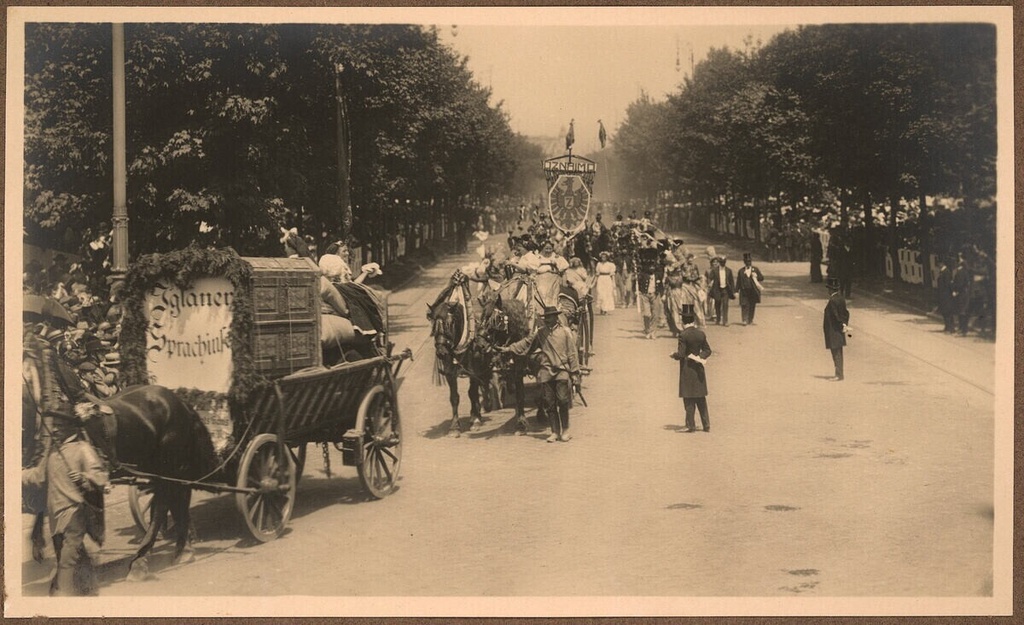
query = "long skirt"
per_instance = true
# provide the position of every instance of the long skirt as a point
(689, 294)
(605, 300)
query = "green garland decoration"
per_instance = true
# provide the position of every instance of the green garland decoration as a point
(181, 269)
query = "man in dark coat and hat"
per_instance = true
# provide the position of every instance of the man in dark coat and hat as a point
(961, 283)
(692, 352)
(944, 293)
(748, 285)
(835, 324)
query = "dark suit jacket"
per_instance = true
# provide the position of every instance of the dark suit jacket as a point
(692, 380)
(961, 289)
(836, 315)
(712, 278)
(944, 290)
(745, 283)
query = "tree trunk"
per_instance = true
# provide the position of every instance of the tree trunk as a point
(868, 253)
(893, 244)
(925, 241)
(344, 159)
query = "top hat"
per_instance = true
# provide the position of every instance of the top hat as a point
(832, 284)
(747, 256)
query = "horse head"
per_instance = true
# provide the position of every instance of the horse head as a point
(447, 323)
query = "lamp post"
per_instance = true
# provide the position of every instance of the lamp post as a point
(120, 216)
(344, 158)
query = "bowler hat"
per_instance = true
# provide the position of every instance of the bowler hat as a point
(551, 311)
(832, 284)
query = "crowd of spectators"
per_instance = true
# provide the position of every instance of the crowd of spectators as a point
(89, 341)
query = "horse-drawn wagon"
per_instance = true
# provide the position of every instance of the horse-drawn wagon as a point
(237, 340)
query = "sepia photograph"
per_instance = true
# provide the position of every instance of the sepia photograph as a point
(429, 312)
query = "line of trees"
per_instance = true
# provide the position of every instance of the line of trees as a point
(233, 132)
(861, 125)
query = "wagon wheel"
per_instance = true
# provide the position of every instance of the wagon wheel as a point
(269, 468)
(381, 455)
(140, 502)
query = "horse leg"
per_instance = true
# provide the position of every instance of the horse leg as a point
(182, 499)
(138, 568)
(454, 428)
(38, 541)
(474, 402)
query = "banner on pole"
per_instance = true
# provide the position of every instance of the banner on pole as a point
(570, 181)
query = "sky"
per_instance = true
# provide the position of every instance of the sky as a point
(548, 75)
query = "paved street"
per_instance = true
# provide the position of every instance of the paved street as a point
(878, 485)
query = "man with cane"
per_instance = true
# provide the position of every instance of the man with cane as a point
(835, 324)
(692, 352)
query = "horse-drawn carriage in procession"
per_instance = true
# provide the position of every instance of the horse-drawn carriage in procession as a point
(468, 330)
(231, 385)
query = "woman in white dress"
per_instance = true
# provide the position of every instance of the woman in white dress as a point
(605, 300)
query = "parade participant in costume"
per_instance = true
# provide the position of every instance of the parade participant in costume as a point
(576, 276)
(649, 285)
(692, 353)
(547, 261)
(721, 289)
(555, 348)
(835, 324)
(674, 260)
(683, 288)
(76, 477)
(599, 235)
(709, 305)
(749, 284)
(58, 386)
(605, 296)
(482, 273)
(515, 262)
(548, 268)
(336, 327)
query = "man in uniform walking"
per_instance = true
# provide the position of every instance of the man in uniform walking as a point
(555, 349)
(835, 324)
(692, 352)
(748, 283)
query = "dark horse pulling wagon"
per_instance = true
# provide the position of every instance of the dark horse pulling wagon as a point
(238, 342)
